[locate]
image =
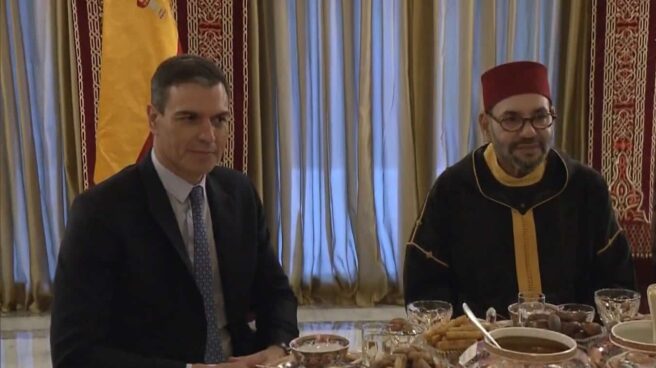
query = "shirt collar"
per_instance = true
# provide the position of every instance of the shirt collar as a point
(174, 184)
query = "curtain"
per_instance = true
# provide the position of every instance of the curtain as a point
(572, 104)
(32, 180)
(358, 106)
(318, 64)
(68, 104)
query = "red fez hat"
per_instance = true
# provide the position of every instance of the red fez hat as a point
(514, 78)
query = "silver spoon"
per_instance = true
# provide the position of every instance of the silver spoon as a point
(478, 325)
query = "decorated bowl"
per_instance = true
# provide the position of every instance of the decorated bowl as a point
(319, 350)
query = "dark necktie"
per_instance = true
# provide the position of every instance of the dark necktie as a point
(203, 275)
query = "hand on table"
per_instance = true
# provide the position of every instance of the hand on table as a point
(221, 365)
(267, 355)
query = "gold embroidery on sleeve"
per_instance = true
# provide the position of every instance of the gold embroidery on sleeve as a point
(419, 222)
(610, 242)
(428, 254)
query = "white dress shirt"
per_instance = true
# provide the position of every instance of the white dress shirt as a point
(178, 191)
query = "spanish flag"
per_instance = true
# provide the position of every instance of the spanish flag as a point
(136, 36)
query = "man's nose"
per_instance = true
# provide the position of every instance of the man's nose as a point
(207, 131)
(528, 130)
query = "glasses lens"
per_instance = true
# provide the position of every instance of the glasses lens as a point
(542, 120)
(511, 123)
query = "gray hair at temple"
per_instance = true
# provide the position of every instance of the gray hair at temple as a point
(183, 69)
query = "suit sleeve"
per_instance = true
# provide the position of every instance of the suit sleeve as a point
(426, 272)
(85, 280)
(613, 266)
(275, 303)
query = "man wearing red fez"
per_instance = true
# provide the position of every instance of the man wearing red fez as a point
(516, 215)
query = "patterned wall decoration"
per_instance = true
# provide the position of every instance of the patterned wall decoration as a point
(215, 29)
(622, 136)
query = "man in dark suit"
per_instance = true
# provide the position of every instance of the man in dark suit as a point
(162, 264)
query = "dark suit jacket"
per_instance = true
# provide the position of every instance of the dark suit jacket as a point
(124, 294)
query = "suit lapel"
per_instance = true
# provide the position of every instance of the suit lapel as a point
(161, 210)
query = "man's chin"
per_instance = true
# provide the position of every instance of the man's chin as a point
(526, 166)
(202, 167)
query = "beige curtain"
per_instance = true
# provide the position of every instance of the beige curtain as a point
(32, 183)
(572, 105)
(67, 92)
(275, 86)
(19, 148)
(398, 83)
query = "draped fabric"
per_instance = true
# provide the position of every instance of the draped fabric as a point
(137, 36)
(297, 94)
(573, 79)
(67, 97)
(622, 136)
(33, 190)
(356, 107)
(215, 29)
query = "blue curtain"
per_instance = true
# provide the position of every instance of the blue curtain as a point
(34, 199)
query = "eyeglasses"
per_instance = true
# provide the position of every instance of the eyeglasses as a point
(515, 123)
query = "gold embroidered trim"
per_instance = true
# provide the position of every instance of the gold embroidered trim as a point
(428, 254)
(527, 259)
(480, 188)
(610, 242)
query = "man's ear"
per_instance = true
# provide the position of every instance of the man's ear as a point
(484, 124)
(153, 114)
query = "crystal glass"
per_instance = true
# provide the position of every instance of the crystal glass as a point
(616, 305)
(529, 303)
(380, 339)
(576, 312)
(425, 313)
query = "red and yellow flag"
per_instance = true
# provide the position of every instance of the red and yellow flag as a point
(137, 35)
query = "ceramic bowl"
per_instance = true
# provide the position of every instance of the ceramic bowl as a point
(524, 333)
(319, 350)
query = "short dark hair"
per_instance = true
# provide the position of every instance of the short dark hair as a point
(183, 69)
